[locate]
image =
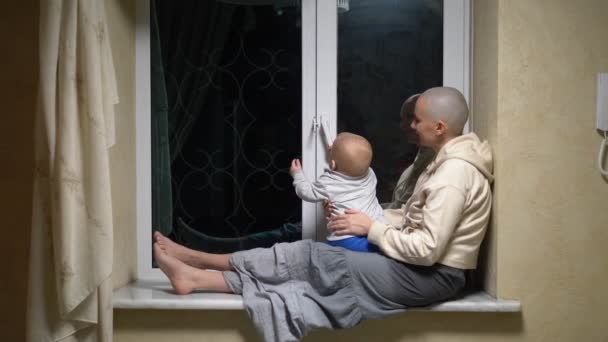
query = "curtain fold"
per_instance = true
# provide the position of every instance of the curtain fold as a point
(162, 192)
(187, 40)
(70, 290)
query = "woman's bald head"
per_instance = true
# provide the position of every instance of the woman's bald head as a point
(448, 105)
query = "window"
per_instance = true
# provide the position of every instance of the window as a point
(229, 91)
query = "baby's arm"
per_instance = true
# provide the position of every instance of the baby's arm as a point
(306, 190)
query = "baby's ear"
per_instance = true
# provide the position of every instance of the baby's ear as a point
(332, 164)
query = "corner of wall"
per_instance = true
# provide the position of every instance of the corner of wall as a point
(484, 107)
(121, 24)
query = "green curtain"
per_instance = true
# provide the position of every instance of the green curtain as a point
(190, 32)
(162, 201)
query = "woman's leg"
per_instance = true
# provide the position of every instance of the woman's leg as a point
(191, 257)
(385, 284)
(184, 278)
(287, 232)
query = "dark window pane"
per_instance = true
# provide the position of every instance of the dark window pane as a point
(387, 51)
(226, 122)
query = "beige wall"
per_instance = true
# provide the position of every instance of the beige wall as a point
(484, 104)
(534, 86)
(551, 218)
(121, 24)
(534, 92)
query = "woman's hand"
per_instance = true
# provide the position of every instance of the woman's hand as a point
(352, 222)
(327, 208)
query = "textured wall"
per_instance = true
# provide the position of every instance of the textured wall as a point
(552, 202)
(484, 109)
(121, 24)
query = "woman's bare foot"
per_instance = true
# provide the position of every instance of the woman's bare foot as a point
(198, 259)
(183, 277)
(175, 250)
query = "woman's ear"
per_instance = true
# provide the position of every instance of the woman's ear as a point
(441, 127)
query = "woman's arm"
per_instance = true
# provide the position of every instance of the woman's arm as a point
(426, 243)
(422, 245)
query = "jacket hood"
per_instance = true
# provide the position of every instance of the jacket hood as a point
(469, 148)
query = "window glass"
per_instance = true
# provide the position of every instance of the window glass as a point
(387, 51)
(226, 121)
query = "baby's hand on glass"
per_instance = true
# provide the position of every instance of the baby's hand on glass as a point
(296, 166)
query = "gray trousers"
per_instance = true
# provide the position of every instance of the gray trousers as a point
(291, 288)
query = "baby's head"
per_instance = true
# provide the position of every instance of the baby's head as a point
(351, 154)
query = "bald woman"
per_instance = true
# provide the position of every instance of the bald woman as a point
(427, 244)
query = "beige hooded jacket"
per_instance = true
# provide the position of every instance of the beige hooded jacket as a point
(446, 218)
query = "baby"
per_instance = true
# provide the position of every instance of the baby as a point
(349, 184)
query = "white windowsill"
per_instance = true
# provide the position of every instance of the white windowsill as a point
(160, 295)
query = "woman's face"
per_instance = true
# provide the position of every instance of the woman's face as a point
(423, 125)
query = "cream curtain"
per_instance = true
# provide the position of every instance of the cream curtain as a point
(70, 290)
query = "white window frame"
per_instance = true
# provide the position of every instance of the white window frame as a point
(457, 46)
(319, 102)
(143, 155)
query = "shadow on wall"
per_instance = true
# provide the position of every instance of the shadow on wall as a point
(235, 325)
(19, 69)
(163, 325)
(483, 278)
(418, 326)
(126, 8)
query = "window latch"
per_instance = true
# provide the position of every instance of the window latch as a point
(316, 123)
(322, 123)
